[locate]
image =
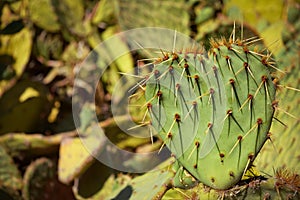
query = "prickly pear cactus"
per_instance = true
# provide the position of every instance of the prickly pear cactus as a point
(10, 176)
(212, 111)
(38, 178)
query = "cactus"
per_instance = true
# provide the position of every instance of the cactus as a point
(14, 51)
(10, 176)
(214, 112)
(22, 145)
(258, 188)
(32, 98)
(159, 184)
(129, 11)
(37, 10)
(282, 150)
(9, 194)
(37, 179)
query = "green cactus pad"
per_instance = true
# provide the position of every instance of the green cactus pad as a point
(10, 176)
(23, 145)
(37, 179)
(213, 112)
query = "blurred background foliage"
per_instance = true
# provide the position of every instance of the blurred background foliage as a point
(42, 42)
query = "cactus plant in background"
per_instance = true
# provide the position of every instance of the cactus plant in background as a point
(10, 177)
(282, 151)
(38, 177)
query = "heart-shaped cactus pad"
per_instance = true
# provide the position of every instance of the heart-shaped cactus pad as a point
(213, 111)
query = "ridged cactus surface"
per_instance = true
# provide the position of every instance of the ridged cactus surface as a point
(212, 111)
